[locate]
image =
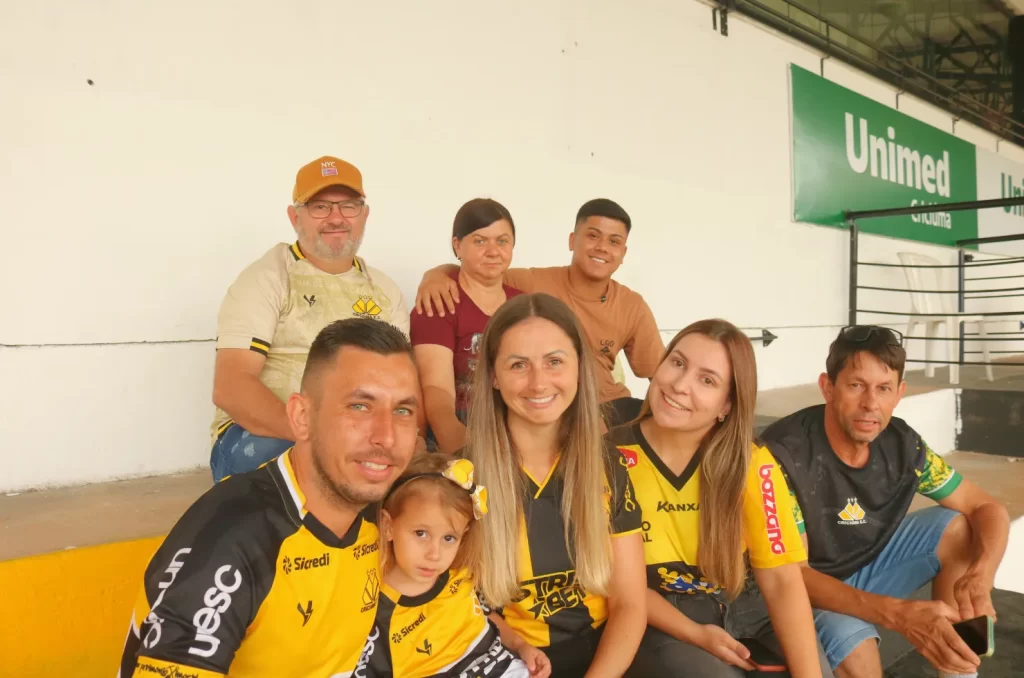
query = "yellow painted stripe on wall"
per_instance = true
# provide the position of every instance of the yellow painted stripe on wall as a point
(68, 613)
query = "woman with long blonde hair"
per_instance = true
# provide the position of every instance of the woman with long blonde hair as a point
(564, 565)
(713, 500)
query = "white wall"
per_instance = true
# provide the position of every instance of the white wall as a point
(128, 206)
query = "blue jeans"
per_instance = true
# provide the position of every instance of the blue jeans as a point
(238, 451)
(909, 561)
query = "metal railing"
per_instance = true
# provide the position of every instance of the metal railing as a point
(835, 41)
(965, 262)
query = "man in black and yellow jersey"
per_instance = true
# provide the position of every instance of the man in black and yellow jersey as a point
(443, 633)
(278, 304)
(275, 572)
(553, 611)
(855, 469)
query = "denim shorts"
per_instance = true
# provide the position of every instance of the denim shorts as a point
(238, 451)
(909, 561)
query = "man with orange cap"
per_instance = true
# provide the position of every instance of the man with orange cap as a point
(275, 308)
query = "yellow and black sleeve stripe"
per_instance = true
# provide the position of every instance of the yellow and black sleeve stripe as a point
(260, 346)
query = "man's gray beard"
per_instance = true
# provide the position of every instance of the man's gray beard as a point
(325, 251)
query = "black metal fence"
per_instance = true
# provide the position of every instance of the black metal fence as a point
(965, 263)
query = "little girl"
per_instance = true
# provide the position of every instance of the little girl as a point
(429, 619)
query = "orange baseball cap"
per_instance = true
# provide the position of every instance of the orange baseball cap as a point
(324, 172)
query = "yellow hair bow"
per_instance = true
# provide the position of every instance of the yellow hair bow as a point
(460, 472)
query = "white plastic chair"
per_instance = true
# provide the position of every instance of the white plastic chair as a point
(919, 280)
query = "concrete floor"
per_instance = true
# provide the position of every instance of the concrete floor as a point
(59, 519)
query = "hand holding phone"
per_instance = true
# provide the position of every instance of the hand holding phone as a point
(979, 634)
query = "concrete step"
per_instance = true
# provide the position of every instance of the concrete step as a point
(71, 564)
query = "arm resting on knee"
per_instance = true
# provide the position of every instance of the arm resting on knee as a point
(237, 390)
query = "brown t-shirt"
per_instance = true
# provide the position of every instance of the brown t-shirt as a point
(622, 322)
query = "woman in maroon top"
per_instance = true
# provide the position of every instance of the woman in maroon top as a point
(483, 236)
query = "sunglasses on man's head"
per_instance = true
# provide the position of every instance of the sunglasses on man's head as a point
(859, 333)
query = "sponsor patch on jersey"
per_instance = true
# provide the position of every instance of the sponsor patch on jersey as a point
(300, 563)
(154, 622)
(629, 455)
(400, 634)
(771, 516)
(360, 550)
(207, 619)
(547, 594)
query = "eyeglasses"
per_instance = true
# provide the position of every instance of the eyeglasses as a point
(859, 333)
(321, 209)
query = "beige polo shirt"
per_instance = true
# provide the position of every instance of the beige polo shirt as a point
(279, 304)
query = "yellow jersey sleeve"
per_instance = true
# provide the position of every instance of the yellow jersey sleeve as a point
(769, 528)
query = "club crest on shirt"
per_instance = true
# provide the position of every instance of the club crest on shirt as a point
(852, 514)
(366, 307)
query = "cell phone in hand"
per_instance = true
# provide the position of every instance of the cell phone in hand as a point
(762, 657)
(978, 634)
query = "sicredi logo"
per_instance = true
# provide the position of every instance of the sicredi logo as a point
(891, 161)
(300, 563)
(207, 619)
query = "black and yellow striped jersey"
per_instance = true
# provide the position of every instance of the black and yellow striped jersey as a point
(552, 606)
(442, 633)
(248, 583)
(671, 511)
(850, 514)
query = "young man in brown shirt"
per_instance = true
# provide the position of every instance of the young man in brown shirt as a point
(614, 317)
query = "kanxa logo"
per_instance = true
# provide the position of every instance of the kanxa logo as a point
(669, 507)
(307, 613)
(310, 299)
(427, 648)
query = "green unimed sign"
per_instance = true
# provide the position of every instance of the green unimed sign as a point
(853, 153)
